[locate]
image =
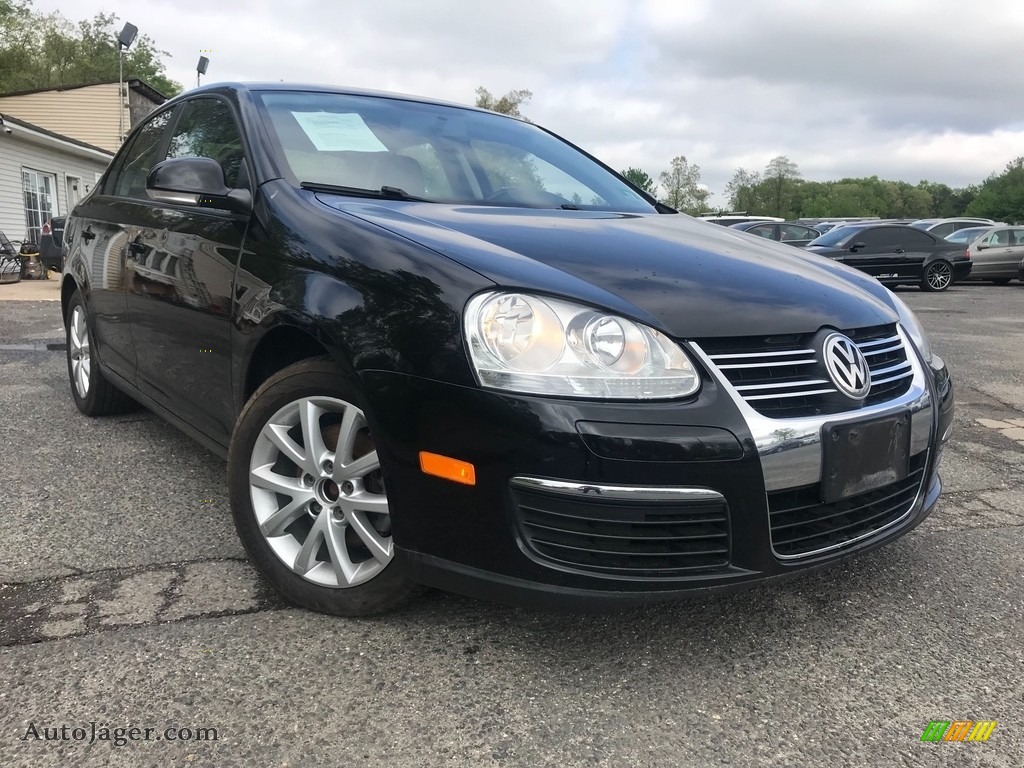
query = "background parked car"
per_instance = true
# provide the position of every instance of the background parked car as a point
(51, 243)
(729, 219)
(828, 226)
(896, 254)
(996, 252)
(944, 227)
(783, 232)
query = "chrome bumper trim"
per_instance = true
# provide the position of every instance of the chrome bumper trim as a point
(617, 492)
(870, 534)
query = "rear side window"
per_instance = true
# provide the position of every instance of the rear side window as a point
(1018, 236)
(208, 129)
(913, 238)
(796, 232)
(876, 238)
(143, 154)
(942, 230)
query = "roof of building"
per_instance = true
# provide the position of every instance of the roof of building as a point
(5, 118)
(133, 82)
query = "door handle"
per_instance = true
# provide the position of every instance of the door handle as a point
(900, 250)
(88, 235)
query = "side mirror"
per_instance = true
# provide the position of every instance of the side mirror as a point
(858, 245)
(197, 181)
(982, 246)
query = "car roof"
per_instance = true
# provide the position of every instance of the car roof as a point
(250, 87)
(954, 219)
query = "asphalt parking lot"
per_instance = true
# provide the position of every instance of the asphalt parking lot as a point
(126, 600)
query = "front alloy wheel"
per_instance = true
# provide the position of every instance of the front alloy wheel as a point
(938, 276)
(308, 495)
(318, 494)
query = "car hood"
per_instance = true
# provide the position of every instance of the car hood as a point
(691, 279)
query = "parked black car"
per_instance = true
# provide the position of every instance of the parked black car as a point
(896, 254)
(51, 244)
(441, 346)
(784, 232)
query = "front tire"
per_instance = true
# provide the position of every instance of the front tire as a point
(93, 394)
(938, 276)
(308, 497)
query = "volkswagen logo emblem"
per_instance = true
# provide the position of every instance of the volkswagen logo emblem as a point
(846, 366)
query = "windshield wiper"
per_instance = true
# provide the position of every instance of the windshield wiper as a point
(384, 193)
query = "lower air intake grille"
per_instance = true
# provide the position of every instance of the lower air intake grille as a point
(801, 524)
(651, 539)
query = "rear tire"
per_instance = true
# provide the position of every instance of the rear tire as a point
(92, 392)
(938, 276)
(328, 546)
(1001, 281)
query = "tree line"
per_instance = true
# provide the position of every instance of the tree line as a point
(780, 190)
(46, 50)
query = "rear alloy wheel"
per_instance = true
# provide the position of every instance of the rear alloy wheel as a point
(92, 393)
(308, 496)
(938, 276)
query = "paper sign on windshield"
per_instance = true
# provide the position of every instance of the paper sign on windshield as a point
(334, 132)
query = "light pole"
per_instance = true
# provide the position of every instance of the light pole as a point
(124, 42)
(201, 68)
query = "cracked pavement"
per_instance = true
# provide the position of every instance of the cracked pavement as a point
(126, 598)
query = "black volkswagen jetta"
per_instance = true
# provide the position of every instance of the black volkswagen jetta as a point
(440, 346)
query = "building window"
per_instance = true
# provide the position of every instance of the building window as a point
(39, 201)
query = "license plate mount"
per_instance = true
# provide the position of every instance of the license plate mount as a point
(860, 456)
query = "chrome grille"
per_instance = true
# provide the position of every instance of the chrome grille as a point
(784, 377)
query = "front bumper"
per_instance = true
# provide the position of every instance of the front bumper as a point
(711, 467)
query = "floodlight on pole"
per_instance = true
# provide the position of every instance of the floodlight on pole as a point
(124, 41)
(201, 68)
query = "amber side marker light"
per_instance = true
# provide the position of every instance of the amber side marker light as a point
(448, 468)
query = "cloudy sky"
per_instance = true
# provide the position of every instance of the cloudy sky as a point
(905, 89)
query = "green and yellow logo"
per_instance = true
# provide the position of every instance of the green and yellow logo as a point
(958, 730)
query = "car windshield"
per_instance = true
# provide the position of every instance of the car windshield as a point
(965, 235)
(436, 153)
(834, 237)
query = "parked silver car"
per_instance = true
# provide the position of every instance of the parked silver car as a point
(997, 252)
(946, 227)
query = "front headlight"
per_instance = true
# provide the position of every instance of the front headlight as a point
(524, 343)
(913, 327)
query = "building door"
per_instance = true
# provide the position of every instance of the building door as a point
(74, 192)
(40, 199)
